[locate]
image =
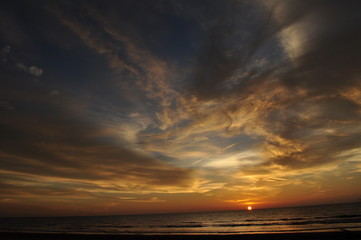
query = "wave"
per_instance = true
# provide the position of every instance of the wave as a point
(114, 226)
(284, 223)
(342, 216)
(182, 226)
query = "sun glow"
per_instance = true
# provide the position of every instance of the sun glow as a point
(249, 208)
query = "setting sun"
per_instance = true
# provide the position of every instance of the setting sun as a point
(249, 208)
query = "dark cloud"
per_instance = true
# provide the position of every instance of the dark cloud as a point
(243, 33)
(237, 39)
(49, 136)
(328, 66)
(46, 140)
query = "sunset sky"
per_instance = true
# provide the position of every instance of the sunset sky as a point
(154, 106)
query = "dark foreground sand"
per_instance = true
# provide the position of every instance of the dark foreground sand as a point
(342, 235)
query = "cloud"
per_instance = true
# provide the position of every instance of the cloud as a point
(33, 70)
(300, 108)
(151, 74)
(52, 145)
(9, 57)
(311, 77)
(105, 152)
(280, 93)
(22, 67)
(36, 71)
(4, 53)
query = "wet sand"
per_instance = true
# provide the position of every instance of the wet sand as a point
(340, 235)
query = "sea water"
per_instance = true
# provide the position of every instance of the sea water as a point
(295, 219)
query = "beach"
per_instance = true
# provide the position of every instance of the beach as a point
(342, 235)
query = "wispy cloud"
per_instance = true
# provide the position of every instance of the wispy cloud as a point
(290, 111)
(33, 70)
(10, 58)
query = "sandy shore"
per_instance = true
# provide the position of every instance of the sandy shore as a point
(289, 236)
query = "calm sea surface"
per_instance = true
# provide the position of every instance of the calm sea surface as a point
(299, 219)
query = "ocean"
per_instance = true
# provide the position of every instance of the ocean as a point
(280, 220)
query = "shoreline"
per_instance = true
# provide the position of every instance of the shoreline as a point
(334, 235)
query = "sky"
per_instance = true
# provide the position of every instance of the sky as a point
(137, 107)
